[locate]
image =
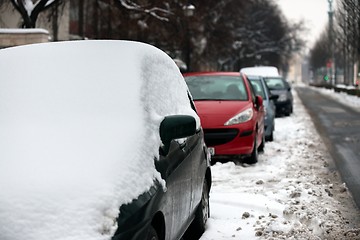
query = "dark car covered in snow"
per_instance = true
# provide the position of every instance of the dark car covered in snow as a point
(100, 140)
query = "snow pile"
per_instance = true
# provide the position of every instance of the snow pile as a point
(291, 193)
(79, 133)
(344, 98)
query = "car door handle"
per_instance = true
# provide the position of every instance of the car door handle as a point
(182, 145)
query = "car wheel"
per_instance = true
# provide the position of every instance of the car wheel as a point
(271, 137)
(262, 145)
(197, 227)
(254, 155)
(152, 234)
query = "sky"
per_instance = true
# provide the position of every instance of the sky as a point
(313, 12)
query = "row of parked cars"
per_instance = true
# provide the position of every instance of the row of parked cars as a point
(105, 140)
(238, 109)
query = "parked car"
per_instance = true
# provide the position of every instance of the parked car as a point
(100, 140)
(231, 114)
(277, 85)
(261, 89)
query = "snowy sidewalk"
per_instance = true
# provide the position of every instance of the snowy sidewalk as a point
(289, 194)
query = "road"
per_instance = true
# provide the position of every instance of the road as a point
(339, 127)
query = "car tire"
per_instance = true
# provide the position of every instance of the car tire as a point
(152, 234)
(253, 158)
(197, 227)
(262, 145)
(271, 137)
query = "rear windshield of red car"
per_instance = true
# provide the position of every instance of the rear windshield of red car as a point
(217, 88)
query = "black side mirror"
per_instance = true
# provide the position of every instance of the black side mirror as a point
(273, 97)
(288, 86)
(176, 126)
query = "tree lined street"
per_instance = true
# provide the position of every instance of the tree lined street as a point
(306, 184)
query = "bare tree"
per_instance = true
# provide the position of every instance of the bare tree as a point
(246, 33)
(320, 53)
(159, 12)
(348, 38)
(30, 10)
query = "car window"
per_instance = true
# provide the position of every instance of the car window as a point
(217, 88)
(275, 83)
(258, 87)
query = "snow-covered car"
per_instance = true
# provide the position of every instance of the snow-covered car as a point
(261, 89)
(100, 140)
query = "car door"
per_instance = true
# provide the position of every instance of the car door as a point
(259, 113)
(177, 172)
(199, 163)
(199, 166)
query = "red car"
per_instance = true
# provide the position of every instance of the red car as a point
(231, 115)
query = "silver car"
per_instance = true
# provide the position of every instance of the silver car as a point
(259, 85)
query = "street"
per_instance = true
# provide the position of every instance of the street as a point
(338, 126)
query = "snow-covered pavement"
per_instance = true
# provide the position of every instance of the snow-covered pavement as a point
(293, 192)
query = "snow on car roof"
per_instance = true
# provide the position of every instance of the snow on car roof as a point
(79, 133)
(265, 71)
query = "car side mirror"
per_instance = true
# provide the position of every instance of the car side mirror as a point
(176, 126)
(259, 101)
(288, 86)
(273, 97)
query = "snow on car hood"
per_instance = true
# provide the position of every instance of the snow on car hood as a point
(79, 134)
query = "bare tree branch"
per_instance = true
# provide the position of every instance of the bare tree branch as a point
(30, 11)
(159, 13)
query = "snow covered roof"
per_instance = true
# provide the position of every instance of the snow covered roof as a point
(23, 30)
(79, 133)
(265, 71)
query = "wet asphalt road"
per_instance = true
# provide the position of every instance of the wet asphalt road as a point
(339, 127)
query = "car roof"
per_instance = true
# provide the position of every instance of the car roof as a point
(261, 71)
(254, 77)
(211, 74)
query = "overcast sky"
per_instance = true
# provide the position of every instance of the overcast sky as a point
(314, 13)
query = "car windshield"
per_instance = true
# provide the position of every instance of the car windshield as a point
(275, 83)
(217, 88)
(258, 87)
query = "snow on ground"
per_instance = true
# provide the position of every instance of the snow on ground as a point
(293, 192)
(342, 97)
